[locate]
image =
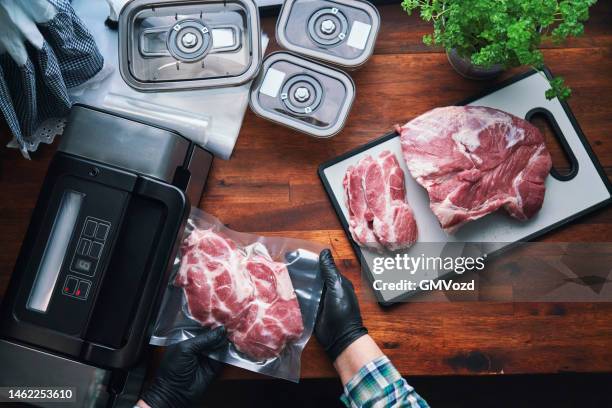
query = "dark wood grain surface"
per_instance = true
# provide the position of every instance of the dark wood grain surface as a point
(270, 186)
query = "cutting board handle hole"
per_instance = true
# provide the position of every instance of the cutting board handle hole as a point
(564, 163)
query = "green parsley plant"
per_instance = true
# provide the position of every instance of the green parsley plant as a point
(505, 32)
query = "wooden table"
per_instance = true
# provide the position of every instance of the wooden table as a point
(270, 186)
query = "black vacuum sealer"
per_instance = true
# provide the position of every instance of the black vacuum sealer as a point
(97, 254)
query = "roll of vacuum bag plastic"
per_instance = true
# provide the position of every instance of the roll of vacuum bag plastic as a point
(166, 116)
(239, 280)
(200, 115)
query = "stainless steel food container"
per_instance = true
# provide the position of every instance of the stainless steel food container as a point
(340, 32)
(188, 44)
(303, 95)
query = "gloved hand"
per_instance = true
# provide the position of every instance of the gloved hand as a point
(185, 373)
(339, 320)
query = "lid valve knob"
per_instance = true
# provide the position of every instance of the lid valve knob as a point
(189, 40)
(302, 94)
(328, 26)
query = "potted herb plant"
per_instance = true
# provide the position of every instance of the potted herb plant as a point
(484, 37)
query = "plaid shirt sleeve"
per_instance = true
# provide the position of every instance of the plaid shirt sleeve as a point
(379, 385)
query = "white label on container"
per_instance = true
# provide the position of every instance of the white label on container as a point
(272, 82)
(223, 38)
(358, 37)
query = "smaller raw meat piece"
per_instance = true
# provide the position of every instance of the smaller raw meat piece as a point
(274, 317)
(360, 216)
(242, 289)
(375, 195)
(473, 160)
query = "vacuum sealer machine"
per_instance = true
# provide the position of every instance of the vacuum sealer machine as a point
(90, 275)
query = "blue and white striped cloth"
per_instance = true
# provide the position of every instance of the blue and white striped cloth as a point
(38, 90)
(379, 385)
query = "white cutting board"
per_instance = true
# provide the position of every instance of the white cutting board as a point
(564, 200)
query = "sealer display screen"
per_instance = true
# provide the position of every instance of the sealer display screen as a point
(55, 251)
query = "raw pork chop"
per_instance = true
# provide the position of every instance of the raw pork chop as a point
(360, 216)
(244, 290)
(375, 195)
(473, 160)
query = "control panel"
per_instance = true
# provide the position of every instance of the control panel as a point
(84, 264)
(72, 252)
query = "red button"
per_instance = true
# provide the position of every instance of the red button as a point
(83, 289)
(70, 285)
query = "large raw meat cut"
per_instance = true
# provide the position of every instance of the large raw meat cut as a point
(241, 289)
(473, 160)
(375, 196)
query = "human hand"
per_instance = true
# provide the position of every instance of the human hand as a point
(185, 373)
(339, 320)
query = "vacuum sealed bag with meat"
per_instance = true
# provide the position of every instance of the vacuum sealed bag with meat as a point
(264, 290)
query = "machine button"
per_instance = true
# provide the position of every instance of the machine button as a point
(83, 265)
(101, 232)
(83, 247)
(82, 290)
(90, 228)
(95, 250)
(70, 285)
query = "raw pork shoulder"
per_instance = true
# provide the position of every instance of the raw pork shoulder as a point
(375, 195)
(243, 290)
(473, 160)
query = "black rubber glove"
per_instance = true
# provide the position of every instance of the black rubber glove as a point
(339, 320)
(185, 373)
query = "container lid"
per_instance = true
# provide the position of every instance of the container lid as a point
(341, 32)
(302, 94)
(189, 44)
